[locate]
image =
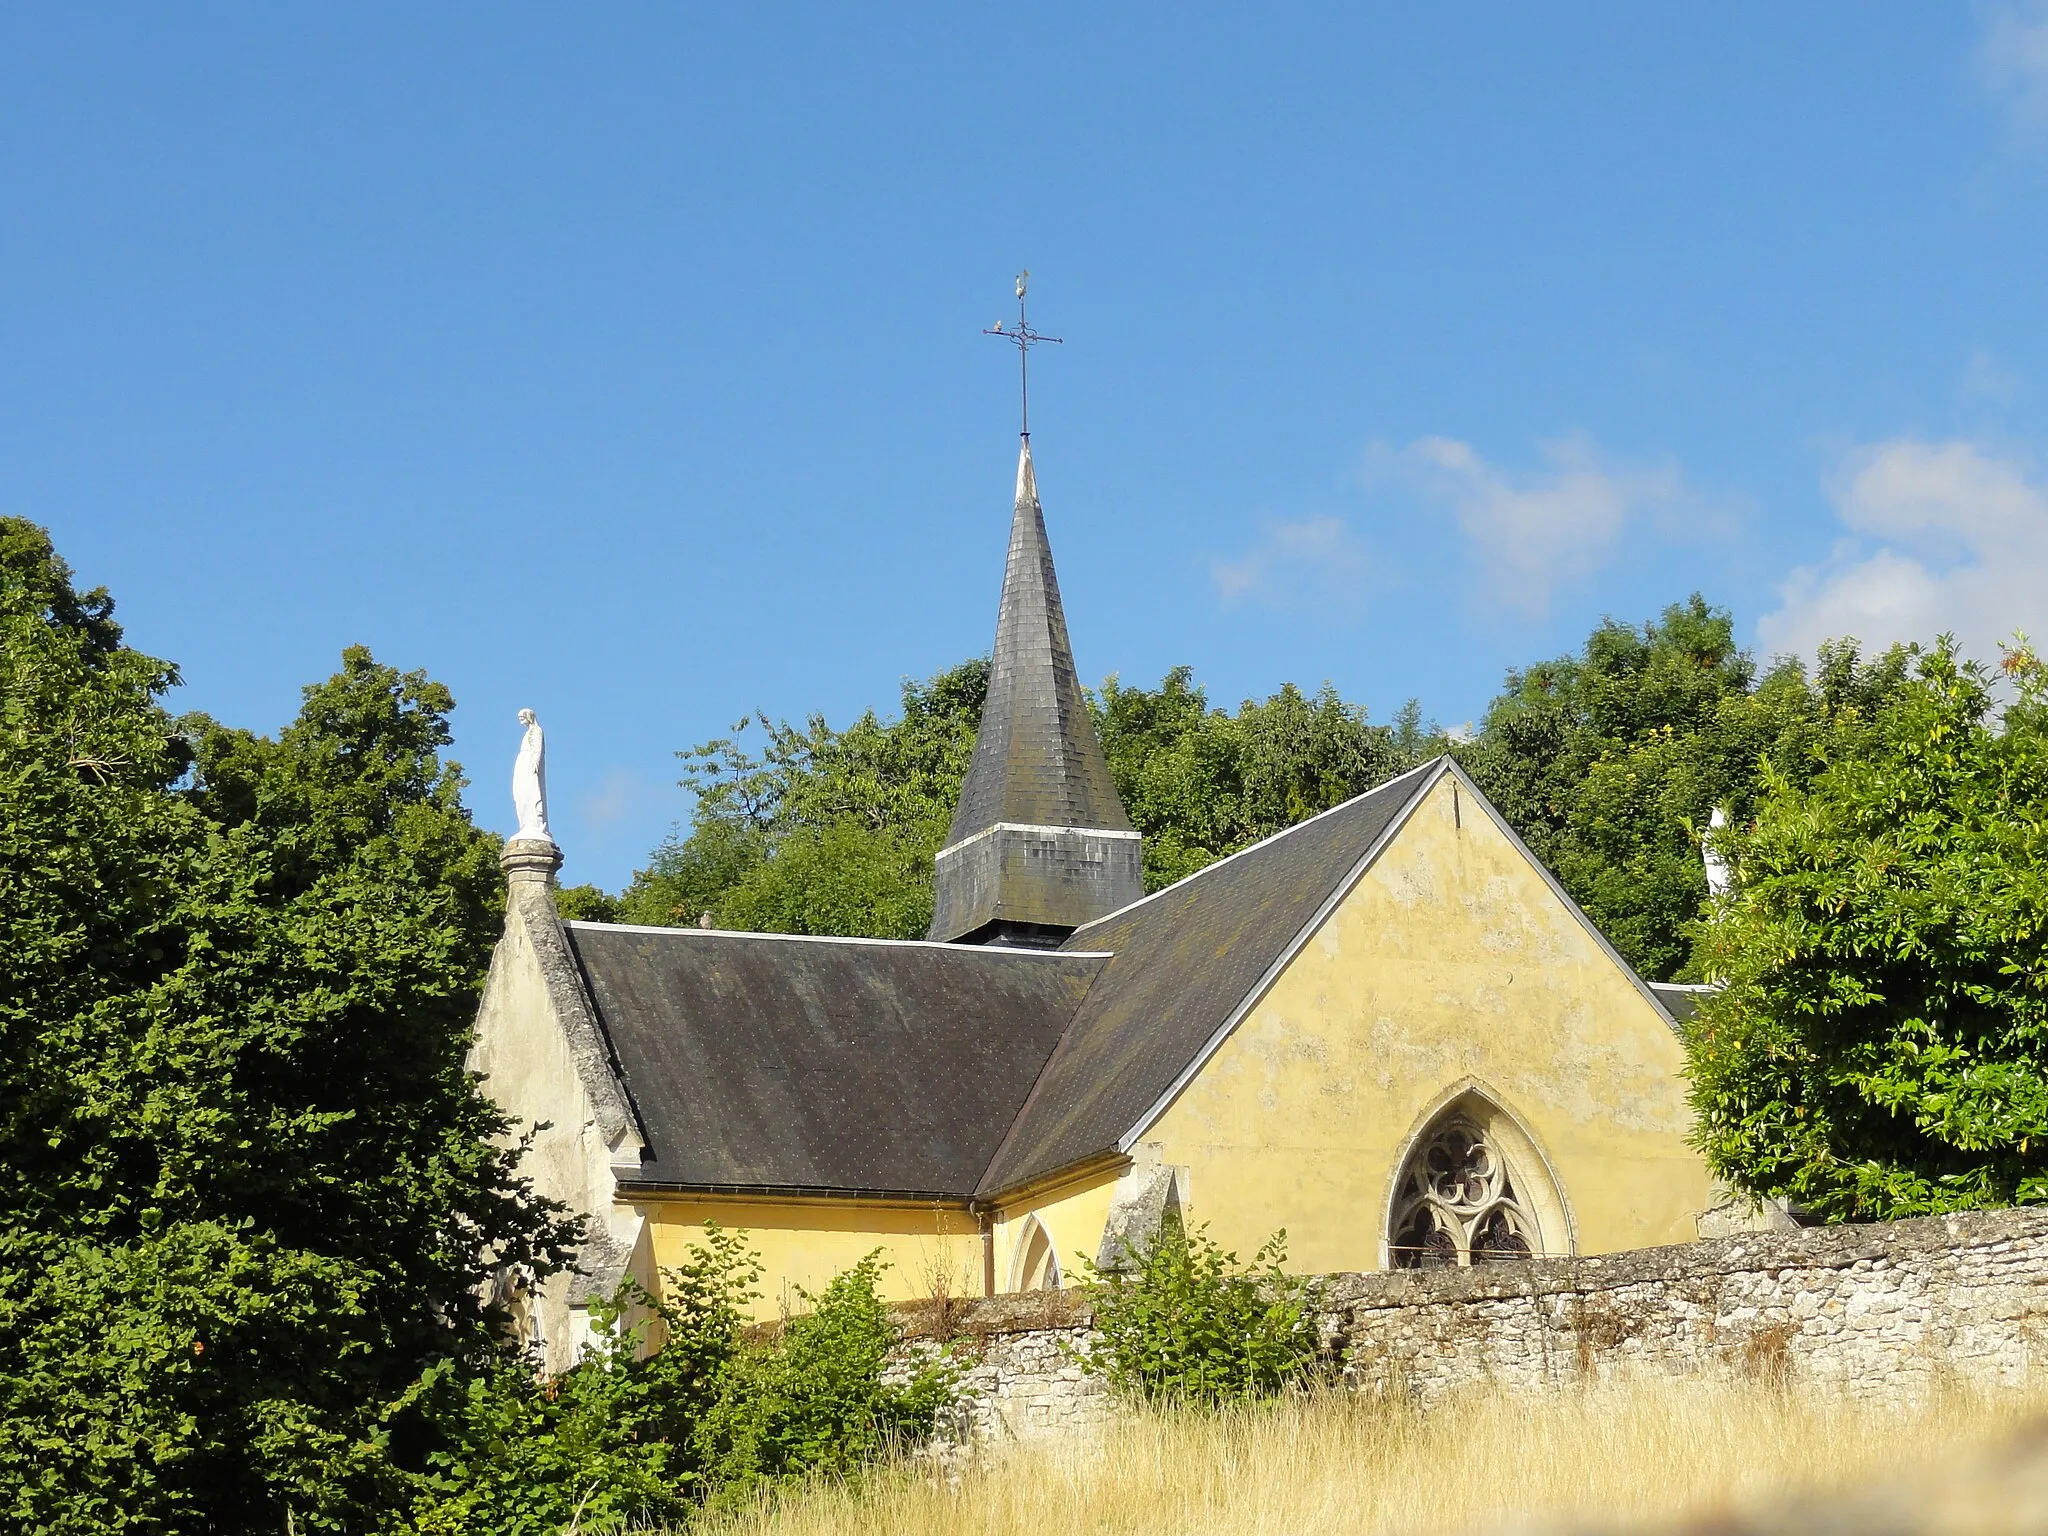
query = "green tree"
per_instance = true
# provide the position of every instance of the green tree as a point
(1610, 762)
(1201, 783)
(821, 831)
(834, 832)
(1881, 1046)
(587, 904)
(246, 1186)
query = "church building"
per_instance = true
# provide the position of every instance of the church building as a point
(1387, 1030)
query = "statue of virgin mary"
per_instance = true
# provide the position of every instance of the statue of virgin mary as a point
(530, 782)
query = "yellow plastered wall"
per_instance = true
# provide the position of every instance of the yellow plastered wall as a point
(1072, 1211)
(1450, 963)
(804, 1243)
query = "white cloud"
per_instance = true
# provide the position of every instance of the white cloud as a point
(1987, 382)
(615, 797)
(1946, 538)
(1534, 532)
(1309, 557)
(2015, 60)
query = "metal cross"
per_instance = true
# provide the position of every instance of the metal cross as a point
(1024, 339)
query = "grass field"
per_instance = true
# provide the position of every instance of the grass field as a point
(1621, 1453)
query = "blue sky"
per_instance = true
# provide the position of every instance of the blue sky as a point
(625, 362)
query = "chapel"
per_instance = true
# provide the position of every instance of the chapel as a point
(1386, 1030)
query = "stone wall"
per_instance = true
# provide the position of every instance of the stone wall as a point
(1023, 1377)
(1887, 1309)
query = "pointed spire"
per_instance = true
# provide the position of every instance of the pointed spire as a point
(1038, 776)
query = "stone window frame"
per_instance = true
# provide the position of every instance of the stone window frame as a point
(1037, 1263)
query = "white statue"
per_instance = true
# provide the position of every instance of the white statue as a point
(530, 782)
(1719, 877)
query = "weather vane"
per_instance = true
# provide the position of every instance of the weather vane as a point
(1024, 339)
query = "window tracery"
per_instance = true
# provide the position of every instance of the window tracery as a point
(1456, 1204)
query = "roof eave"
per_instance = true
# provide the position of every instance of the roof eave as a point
(630, 1188)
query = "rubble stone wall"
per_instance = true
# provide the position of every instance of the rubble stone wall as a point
(1883, 1310)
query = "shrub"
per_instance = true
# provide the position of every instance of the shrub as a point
(711, 1416)
(815, 1399)
(1184, 1322)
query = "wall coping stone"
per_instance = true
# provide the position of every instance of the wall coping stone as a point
(1880, 1243)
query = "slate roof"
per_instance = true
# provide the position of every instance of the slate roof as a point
(1036, 760)
(1183, 961)
(1680, 999)
(761, 1061)
(829, 1065)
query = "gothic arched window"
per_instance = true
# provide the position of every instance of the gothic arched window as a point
(1455, 1204)
(1039, 1269)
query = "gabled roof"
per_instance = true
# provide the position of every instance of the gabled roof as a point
(764, 1062)
(1036, 760)
(768, 1062)
(1185, 963)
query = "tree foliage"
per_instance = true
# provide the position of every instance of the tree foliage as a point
(821, 830)
(247, 1189)
(834, 832)
(1881, 1046)
(1201, 783)
(1610, 762)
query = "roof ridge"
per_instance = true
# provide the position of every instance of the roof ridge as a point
(831, 938)
(1269, 838)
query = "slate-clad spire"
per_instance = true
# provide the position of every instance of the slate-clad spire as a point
(1040, 843)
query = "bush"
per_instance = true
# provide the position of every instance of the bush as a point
(1185, 1322)
(712, 1416)
(814, 1399)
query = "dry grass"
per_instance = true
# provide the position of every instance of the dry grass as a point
(1613, 1454)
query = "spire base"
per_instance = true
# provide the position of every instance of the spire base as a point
(1030, 886)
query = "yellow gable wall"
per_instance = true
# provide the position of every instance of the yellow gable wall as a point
(804, 1243)
(1451, 960)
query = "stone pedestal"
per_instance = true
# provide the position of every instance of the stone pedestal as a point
(530, 861)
